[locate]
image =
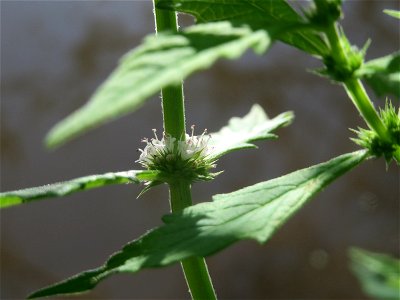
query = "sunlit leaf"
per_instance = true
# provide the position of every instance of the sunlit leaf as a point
(75, 185)
(254, 212)
(276, 16)
(392, 13)
(241, 132)
(159, 62)
(379, 274)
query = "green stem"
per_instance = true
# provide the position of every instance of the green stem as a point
(194, 268)
(172, 96)
(336, 45)
(355, 88)
(359, 96)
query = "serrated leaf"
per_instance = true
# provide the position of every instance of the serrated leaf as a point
(276, 16)
(382, 74)
(393, 13)
(379, 274)
(241, 132)
(254, 212)
(159, 62)
(60, 189)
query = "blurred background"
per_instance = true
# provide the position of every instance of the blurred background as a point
(53, 56)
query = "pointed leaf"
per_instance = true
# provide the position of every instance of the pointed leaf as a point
(382, 74)
(240, 132)
(276, 16)
(393, 13)
(75, 185)
(160, 61)
(379, 274)
(254, 212)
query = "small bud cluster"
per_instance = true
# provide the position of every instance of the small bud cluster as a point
(342, 71)
(188, 159)
(370, 140)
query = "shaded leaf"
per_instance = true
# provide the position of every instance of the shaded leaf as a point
(159, 62)
(254, 212)
(276, 16)
(379, 274)
(240, 132)
(382, 74)
(75, 185)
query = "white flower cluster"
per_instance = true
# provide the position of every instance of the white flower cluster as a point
(168, 148)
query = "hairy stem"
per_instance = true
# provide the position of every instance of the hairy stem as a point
(355, 88)
(194, 268)
(359, 96)
(172, 96)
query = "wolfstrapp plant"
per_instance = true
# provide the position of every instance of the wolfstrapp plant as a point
(178, 159)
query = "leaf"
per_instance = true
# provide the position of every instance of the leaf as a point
(393, 13)
(159, 62)
(379, 274)
(382, 74)
(75, 185)
(254, 212)
(240, 132)
(276, 16)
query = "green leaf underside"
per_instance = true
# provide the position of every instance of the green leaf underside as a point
(276, 16)
(379, 274)
(382, 74)
(392, 13)
(160, 61)
(240, 132)
(254, 212)
(67, 187)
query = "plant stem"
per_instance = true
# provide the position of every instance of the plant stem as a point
(359, 96)
(355, 88)
(172, 96)
(194, 268)
(336, 44)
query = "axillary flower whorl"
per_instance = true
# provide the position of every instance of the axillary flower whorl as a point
(189, 159)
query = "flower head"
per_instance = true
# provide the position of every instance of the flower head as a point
(187, 159)
(370, 140)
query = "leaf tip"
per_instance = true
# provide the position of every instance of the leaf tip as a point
(393, 13)
(51, 141)
(289, 117)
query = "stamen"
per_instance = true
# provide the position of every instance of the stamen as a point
(155, 133)
(192, 127)
(166, 148)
